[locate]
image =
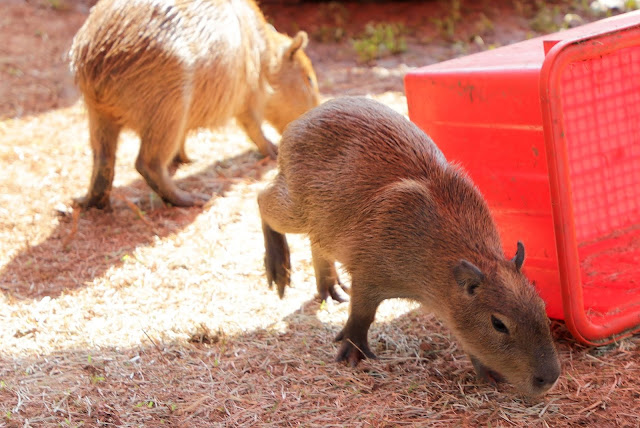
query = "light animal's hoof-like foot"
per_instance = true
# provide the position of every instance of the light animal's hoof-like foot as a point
(99, 202)
(186, 199)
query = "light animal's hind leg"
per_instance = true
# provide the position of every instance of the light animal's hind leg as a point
(326, 276)
(278, 218)
(103, 134)
(160, 142)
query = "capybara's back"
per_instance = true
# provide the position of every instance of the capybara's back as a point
(141, 59)
(372, 191)
(164, 68)
(336, 163)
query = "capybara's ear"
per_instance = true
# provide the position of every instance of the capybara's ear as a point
(518, 259)
(299, 41)
(468, 276)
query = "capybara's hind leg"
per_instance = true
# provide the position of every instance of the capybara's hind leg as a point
(277, 262)
(159, 144)
(103, 134)
(327, 279)
(278, 218)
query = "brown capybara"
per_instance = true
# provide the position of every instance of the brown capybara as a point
(164, 68)
(373, 192)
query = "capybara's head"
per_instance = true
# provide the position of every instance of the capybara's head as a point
(501, 322)
(294, 84)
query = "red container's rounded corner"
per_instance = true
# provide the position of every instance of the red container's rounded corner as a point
(560, 55)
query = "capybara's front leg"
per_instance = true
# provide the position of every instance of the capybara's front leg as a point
(158, 147)
(251, 124)
(362, 311)
(484, 373)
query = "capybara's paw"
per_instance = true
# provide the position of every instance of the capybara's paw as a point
(186, 199)
(278, 271)
(333, 291)
(484, 373)
(101, 203)
(351, 352)
(277, 262)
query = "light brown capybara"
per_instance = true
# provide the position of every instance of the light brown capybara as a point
(163, 68)
(372, 191)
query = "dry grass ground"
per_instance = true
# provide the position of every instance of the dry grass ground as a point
(158, 316)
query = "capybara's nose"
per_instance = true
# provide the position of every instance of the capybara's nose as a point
(546, 378)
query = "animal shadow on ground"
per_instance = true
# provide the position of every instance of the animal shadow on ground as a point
(82, 248)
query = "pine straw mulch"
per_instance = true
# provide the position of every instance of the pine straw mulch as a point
(158, 316)
(283, 377)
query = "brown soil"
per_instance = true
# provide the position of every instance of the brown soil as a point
(158, 316)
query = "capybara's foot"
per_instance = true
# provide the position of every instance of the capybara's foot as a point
(334, 292)
(185, 199)
(327, 279)
(158, 180)
(280, 273)
(484, 373)
(277, 261)
(101, 202)
(353, 351)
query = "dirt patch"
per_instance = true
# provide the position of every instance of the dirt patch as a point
(152, 315)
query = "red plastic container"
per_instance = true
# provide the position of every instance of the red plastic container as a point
(549, 130)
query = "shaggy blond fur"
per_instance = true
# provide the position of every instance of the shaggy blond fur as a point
(163, 68)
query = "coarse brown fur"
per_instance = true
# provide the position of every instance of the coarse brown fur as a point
(163, 68)
(373, 192)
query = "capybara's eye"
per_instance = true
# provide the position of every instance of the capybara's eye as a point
(499, 325)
